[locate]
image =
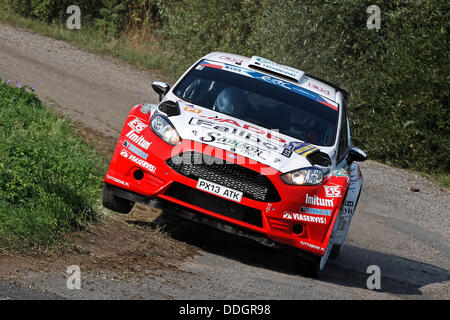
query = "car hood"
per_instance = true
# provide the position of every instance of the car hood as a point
(257, 143)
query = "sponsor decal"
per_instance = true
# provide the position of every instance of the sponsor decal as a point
(340, 173)
(247, 128)
(209, 65)
(307, 244)
(135, 150)
(302, 148)
(126, 184)
(146, 108)
(316, 201)
(138, 139)
(275, 67)
(144, 164)
(231, 59)
(278, 82)
(287, 215)
(248, 133)
(241, 146)
(124, 154)
(315, 211)
(355, 176)
(332, 191)
(316, 87)
(342, 224)
(347, 212)
(286, 152)
(303, 217)
(192, 109)
(137, 125)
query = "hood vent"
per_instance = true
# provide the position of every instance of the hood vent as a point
(319, 158)
(170, 108)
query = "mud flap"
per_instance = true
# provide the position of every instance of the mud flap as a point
(350, 202)
(324, 259)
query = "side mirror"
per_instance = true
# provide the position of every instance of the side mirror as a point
(356, 154)
(161, 88)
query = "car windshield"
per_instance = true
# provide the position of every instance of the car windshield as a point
(262, 100)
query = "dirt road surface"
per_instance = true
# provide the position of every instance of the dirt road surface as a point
(403, 232)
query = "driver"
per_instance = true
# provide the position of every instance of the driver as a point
(304, 126)
(231, 101)
(311, 129)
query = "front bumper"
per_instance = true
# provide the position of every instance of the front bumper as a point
(274, 222)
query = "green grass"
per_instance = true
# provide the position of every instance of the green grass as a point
(444, 180)
(50, 179)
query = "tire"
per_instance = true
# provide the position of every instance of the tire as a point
(308, 268)
(335, 251)
(116, 203)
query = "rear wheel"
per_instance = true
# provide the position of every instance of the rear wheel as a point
(116, 203)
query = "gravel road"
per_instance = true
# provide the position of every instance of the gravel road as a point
(405, 233)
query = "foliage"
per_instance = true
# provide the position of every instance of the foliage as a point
(110, 16)
(398, 76)
(50, 179)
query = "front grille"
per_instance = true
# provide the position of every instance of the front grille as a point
(253, 185)
(215, 204)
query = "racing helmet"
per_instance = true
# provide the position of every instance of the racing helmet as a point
(231, 101)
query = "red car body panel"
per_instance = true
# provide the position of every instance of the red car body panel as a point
(278, 218)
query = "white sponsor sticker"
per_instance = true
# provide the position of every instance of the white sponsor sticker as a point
(332, 191)
(138, 139)
(303, 217)
(219, 190)
(137, 125)
(316, 201)
(144, 164)
(126, 184)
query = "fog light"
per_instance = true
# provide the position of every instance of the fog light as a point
(138, 175)
(297, 229)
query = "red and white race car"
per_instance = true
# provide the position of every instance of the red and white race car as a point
(248, 146)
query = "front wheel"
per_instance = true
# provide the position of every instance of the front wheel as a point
(335, 251)
(116, 203)
(308, 268)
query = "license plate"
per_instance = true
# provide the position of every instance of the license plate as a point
(219, 190)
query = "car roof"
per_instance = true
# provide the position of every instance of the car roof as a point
(318, 86)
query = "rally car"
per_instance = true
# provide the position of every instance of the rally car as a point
(248, 146)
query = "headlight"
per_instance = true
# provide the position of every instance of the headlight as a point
(165, 130)
(303, 177)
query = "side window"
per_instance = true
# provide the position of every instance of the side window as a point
(343, 138)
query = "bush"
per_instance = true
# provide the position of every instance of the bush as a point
(398, 76)
(50, 179)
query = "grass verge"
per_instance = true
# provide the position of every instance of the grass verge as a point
(50, 178)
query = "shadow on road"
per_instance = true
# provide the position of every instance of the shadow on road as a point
(398, 275)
